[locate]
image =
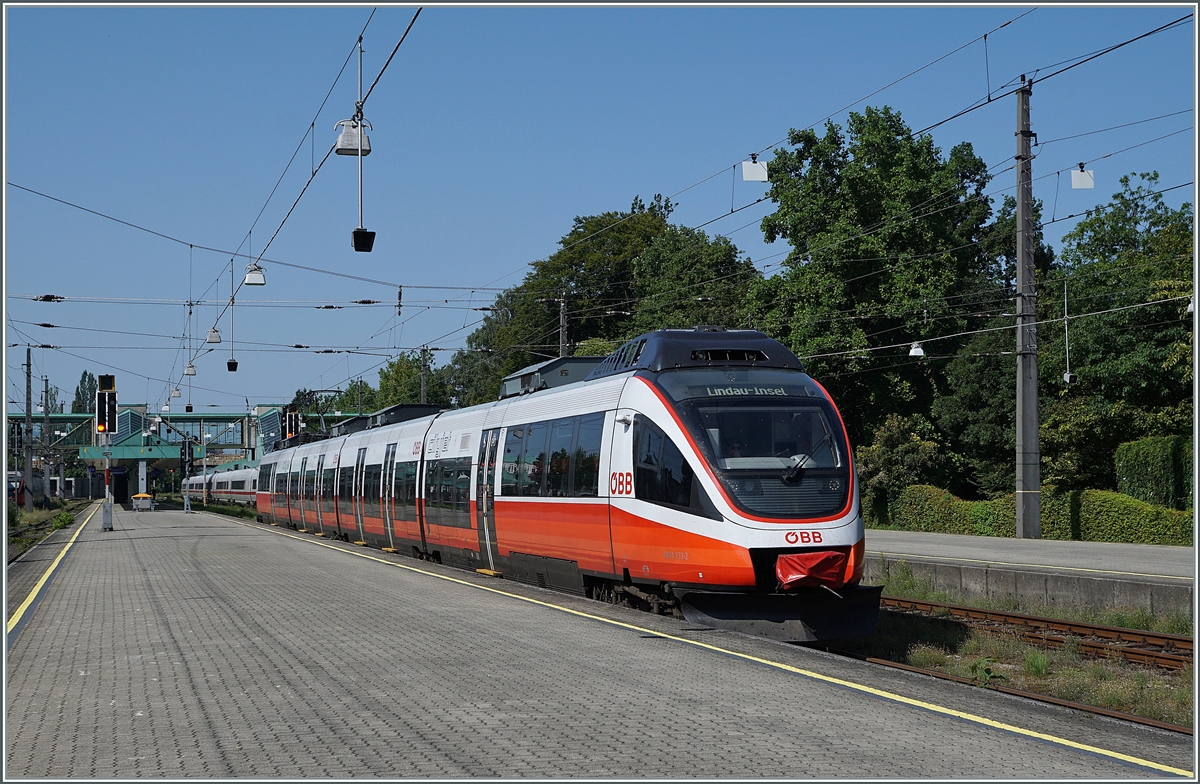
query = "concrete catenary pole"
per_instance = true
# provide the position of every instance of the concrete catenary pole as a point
(1029, 474)
(562, 324)
(28, 429)
(47, 469)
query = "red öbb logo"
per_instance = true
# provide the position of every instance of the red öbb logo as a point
(792, 537)
(803, 537)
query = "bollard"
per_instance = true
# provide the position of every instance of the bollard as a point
(106, 516)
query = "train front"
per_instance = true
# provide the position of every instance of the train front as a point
(785, 529)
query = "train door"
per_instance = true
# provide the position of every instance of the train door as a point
(620, 491)
(485, 507)
(359, 469)
(302, 498)
(319, 494)
(387, 498)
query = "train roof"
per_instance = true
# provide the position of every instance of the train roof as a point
(697, 347)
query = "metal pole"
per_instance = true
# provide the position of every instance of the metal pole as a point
(359, 118)
(46, 470)
(562, 324)
(423, 370)
(1029, 482)
(28, 430)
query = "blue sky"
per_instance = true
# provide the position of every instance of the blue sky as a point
(493, 128)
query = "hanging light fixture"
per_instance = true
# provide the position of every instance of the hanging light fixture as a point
(1191, 305)
(214, 336)
(175, 392)
(190, 370)
(166, 408)
(254, 275)
(188, 408)
(916, 350)
(347, 141)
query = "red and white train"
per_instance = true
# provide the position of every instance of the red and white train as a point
(693, 470)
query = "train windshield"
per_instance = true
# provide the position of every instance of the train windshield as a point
(770, 435)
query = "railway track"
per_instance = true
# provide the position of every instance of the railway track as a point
(1168, 651)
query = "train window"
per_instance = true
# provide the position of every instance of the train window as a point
(327, 490)
(264, 474)
(433, 492)
(531, 478)
(662, 475)
(345, 488)
(372, 490)
(240, 484)
(513, 440)
(294, 486)
(586, 457)
(404, 487)
(558, 475)
(462, 492)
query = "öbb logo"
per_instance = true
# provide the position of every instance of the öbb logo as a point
(620, 483)
(803, 537)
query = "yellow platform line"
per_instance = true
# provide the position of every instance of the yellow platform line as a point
(1034, 566)
(929, 706)
(12, 622)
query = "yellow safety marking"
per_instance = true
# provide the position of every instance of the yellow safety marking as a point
(1036, 566)
(777, 665)
(12, 623)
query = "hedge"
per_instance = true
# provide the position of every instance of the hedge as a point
(1156, 470)
(1090, 515)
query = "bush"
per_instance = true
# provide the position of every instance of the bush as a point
(1156, 470)
(14, 514)
(1090, 515)
(1105, 516)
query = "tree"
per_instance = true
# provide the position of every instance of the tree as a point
(594, 269)
(685, 279)
(904, 451)
(1130, 348)
(885, 237)
(85, 395)
(976, 404)
(400, 382)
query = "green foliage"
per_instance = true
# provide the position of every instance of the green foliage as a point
(903, 452)
(62, 520)
(685, 279)
(14, 514)
(1090, 515)
(400, 382)
(1105, 516)
(884, 234)
(1037, 663)
(85, 395)
(595, 347)
(1156, 470)
(983, 673)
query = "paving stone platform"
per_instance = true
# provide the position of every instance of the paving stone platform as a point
(196, 646)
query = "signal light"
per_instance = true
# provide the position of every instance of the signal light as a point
(106, 410)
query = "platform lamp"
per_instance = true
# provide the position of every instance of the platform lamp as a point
(916, 350)
(353, 141)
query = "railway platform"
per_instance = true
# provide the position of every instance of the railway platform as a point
(191, 645)
(1096, 575)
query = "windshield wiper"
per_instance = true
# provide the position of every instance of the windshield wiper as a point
(794, 474)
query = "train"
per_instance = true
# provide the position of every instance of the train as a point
(17, 487)
(236, 487)
(696, 472)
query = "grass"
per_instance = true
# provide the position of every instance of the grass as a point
(25, 529)
(1001, 658)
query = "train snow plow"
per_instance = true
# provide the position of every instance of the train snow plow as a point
(805, 615)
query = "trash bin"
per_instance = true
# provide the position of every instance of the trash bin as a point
(141, 502)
